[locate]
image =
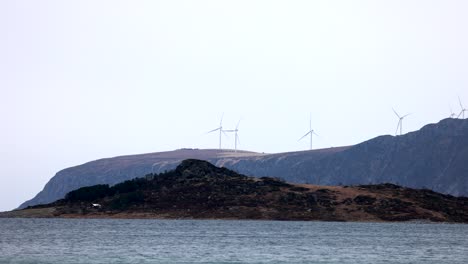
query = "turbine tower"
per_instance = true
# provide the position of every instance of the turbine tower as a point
(400, 122)
(463, 110)
(311, 132)
(236, 136)
(221, 131)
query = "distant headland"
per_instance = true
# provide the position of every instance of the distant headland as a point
(434, 157)
(199, 190)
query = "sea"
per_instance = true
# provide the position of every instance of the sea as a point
(222, 241)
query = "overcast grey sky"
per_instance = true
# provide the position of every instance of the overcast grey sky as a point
(82, 80)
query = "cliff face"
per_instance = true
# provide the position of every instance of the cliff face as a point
(435, 157)
(197, 189)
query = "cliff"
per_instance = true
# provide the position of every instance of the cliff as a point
(434, 157)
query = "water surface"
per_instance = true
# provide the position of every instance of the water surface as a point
(198, 241)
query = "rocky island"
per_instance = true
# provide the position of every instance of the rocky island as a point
(199, 190)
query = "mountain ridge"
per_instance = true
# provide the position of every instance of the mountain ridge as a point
(433, 157)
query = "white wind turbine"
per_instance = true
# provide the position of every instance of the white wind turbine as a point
(311, 132)
(463, 110)
(236, 137)
(400, 122)
(221, 131)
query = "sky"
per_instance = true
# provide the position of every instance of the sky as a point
(83, 80)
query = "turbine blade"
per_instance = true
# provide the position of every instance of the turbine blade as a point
(459, 101)
(396, 113)
(398, 126)
(238, 124)
(406, 115)
(315, 133)
(305, 135)
(214, 130)
(238, 139)
(221, 122)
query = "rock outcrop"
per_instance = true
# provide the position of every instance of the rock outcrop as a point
(198, 190)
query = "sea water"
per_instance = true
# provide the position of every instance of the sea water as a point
(212, 241)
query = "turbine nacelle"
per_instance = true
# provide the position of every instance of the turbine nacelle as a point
(308, 133)
(311, 132)
(220, 129)
(236, 137)
(400, 122)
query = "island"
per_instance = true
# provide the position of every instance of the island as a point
(197, 189)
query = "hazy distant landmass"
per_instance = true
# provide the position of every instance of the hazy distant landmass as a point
(434, 157)
(198, 190)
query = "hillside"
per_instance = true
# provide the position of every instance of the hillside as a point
(197, 189)
(434, 157)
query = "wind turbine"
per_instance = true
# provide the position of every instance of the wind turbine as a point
(400, 122)
(311, 132)
(221, 131)
(452, 114)
(463, 110)
(236, 137)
